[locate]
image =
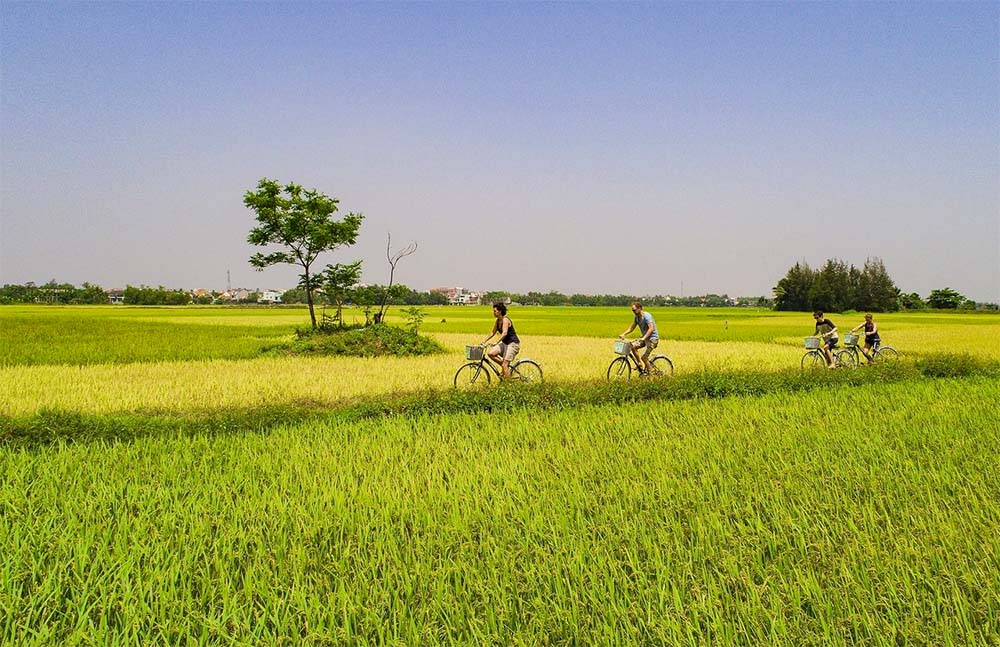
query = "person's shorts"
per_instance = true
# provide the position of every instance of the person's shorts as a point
(872, 340)
(831, 343)
(508, 351)
(649, 345)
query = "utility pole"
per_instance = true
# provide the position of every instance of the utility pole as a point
(229, 283)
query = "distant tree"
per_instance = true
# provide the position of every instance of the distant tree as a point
(911, 301)
(945, 299)
(91, 294)
(302, 222)
(553, 298)
(435, 298)
(792, 291)
(159, 296)
(369, 297)
(295, 295)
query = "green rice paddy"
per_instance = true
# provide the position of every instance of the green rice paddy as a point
(356, 508)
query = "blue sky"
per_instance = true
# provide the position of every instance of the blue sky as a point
(579, 147)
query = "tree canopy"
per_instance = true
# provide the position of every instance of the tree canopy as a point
(302, 222)
(837, 287)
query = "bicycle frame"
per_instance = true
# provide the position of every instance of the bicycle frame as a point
(521, 370)
(661, 365)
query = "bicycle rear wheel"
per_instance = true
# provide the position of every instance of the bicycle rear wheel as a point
(619, 369)
(813, 359)
(885, 355)
(846, 359)
(662, 366)
(526, 370)
(473, 375)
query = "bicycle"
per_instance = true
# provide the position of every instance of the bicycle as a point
(476, 372)
(622, 366)
(816, 358)
(880, 354)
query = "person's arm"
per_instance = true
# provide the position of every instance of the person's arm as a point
(630, 329)
(874, 329)
(860, 325)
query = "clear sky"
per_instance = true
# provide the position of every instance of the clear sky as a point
(578, 147)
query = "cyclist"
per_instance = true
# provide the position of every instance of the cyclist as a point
(649, 340)
(828, 332)
(872, 339)
(509, 346)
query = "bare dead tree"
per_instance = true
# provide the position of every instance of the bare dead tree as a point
(393, 258)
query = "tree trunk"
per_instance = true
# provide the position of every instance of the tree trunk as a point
(309, 299)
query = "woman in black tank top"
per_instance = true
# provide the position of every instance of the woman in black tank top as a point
(510, 344)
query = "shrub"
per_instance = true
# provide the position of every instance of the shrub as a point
(369, 341)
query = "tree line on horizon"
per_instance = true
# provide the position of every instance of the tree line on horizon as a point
(368, 296)
(838, 287)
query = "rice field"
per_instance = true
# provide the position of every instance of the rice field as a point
(844, 515)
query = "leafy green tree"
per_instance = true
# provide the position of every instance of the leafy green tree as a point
(911, 301)
(302, 222)
(830, 291)
(91, 294)
(945, 299)
(553, 298)
(792, 291)
(414, 317)
(436, 298)
(295, 295)
(337, 282)
(877, 292)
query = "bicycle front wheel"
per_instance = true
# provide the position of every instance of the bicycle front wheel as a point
(846, 359)
(526, 370)
(885, 355)
(620, 369)
(662, 366)
(472, 376)
(813, 359)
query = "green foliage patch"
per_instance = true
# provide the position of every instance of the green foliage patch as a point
(376, 340)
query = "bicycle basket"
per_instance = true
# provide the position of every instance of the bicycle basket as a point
(812, 342)
(474, 353)
(850, 339)
(623, 347)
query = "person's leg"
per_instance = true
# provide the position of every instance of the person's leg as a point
(494, 354)
(635, 352)
(509, 352)
(650, 345)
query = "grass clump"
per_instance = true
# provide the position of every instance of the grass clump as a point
(358, 341)
(952, 365)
